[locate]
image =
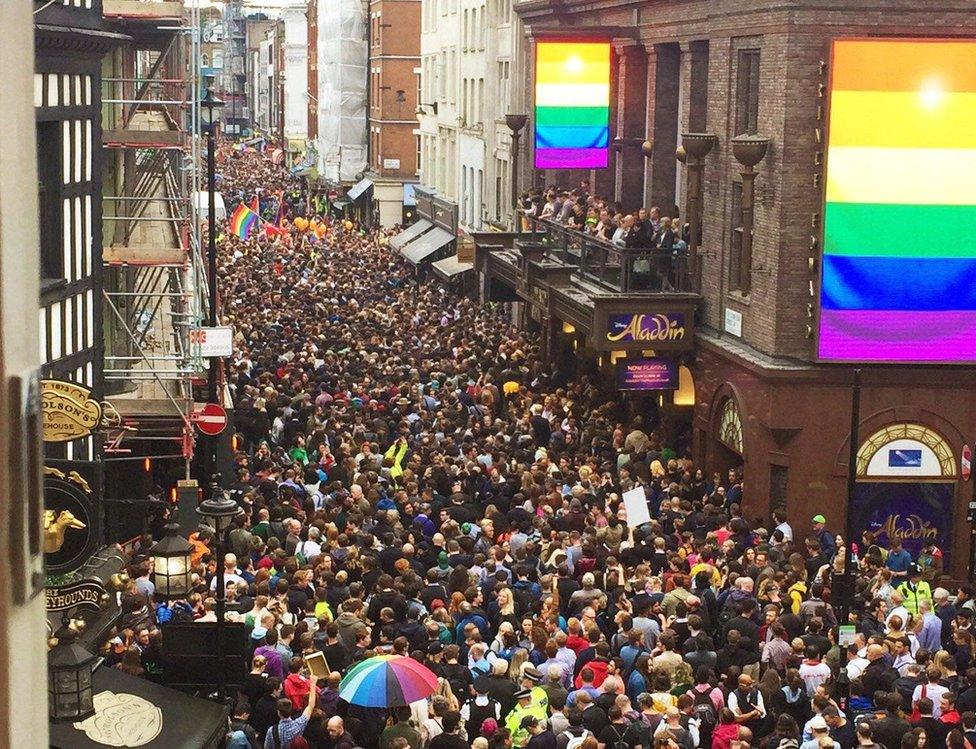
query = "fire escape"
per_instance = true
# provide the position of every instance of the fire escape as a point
(154, 274)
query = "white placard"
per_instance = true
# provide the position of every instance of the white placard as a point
(391, 163)
(733, 322)
(635, 502)
(210, 342)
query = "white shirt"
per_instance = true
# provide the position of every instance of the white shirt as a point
(756, 698)
(813, 675)
(229, 577)
(692, 730)
(787, 531)
(934, 692)
(309, 548)
(856, 667)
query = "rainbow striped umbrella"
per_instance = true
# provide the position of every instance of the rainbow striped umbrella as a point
(387, 681)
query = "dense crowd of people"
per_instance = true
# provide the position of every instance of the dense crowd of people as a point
(417, 481)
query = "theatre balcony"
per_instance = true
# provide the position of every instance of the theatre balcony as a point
(608, 298)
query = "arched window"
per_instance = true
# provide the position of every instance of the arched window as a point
(730, 426)
(905, 450)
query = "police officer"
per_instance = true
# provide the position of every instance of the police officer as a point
(525, 706)
(914, 589)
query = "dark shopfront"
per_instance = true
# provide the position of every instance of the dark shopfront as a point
(643, 344)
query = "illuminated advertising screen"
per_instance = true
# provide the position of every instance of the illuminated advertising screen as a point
(572, 104)
(647, 374)
(898, 279)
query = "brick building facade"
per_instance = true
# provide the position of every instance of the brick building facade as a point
(394, 62)
(761, 399)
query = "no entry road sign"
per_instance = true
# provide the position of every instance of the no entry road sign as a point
(211, 420)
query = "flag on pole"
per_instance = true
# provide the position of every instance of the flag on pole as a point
(243, 220)
(281, 208)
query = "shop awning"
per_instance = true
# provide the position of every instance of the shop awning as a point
(426, 245)
(359, 189)
(301, 168)
(410, 233)
(450, 267)
(130, 711)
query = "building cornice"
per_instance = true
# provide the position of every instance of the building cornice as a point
(94, 42)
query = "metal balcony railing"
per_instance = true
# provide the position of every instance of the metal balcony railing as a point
(616, 268)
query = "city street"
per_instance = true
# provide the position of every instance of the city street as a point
(488, 374)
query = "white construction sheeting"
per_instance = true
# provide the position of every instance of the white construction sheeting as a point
(343, 56)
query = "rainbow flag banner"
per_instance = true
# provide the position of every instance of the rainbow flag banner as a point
(243, 220)
(898, 279)
(572, 104)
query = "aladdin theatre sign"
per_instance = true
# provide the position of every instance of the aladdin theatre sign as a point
(667, 330)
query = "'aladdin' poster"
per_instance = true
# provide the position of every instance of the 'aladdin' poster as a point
(916, 512)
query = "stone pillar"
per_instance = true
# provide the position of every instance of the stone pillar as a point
(631, 126)
(662, 123)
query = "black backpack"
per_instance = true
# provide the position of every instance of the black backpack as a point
(703, 710)
(619, 743)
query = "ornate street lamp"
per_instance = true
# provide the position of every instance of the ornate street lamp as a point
(748, 150)
(171, 564)
(219, 512)
(696, 147)
(69, 679)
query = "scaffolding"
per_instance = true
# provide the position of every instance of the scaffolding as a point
(155, 282)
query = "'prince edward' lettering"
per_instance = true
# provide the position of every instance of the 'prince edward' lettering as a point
(658, 327)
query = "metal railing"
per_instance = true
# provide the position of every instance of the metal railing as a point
(617, 268)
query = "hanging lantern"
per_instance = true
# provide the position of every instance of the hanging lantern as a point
(69, 681)
(171, 568)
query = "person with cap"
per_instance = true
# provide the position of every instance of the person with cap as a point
(540, 736)
(476, 710)
(914, 590)
(824, 537)
(525, 706)
(532, 680)
(819, 730)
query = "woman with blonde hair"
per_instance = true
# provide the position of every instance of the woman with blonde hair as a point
(519, 658)
(503, 612)
(444, 690)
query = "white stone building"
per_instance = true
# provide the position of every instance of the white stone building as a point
(295, 87)
(472, 55)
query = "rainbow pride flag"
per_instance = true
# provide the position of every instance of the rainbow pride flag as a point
(899, 259)
(572, 105)
(243, 220)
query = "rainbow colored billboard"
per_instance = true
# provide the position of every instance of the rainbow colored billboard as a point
(898, 279)
(572, 104)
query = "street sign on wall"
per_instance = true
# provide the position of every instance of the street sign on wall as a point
(212, 342)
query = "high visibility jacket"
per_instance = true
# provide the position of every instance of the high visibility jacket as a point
(397, 455)
(913, 594)
(538, 707)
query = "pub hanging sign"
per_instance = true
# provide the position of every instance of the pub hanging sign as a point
(68, 412)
